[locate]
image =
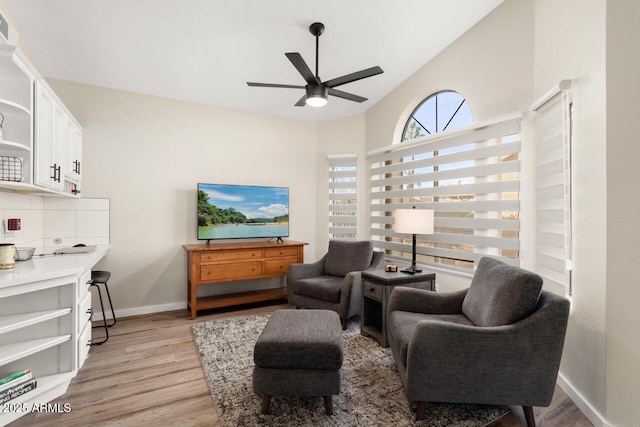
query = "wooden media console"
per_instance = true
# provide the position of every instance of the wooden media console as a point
(228, 262)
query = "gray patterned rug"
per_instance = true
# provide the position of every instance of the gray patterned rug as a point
(371, 392)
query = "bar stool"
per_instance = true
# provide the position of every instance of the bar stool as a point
(102, 277)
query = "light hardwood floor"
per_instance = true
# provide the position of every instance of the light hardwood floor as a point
(149, 374)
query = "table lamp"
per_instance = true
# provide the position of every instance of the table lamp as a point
(413, 221)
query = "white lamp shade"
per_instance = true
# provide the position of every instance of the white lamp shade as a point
(413, 221)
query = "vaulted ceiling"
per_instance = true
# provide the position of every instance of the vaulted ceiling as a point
(206, 50)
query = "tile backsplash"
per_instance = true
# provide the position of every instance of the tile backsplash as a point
(50, 223)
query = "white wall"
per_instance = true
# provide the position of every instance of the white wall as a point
(343, 136)
(622, 205)
(570, 43)
(147, 154)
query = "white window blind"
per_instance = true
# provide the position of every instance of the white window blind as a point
(553, 185)
(469, 176)
(343, 201)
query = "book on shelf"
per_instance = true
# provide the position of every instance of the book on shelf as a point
(17, 390)
(13, 379)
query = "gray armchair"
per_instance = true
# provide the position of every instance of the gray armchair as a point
(333, 282)
(498, 342)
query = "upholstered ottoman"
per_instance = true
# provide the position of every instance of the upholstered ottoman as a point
(299, 353)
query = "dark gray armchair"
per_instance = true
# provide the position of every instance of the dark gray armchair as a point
(333, 282)
(498, 342)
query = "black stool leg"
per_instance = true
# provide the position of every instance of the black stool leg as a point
(106, 328)
(106, 287)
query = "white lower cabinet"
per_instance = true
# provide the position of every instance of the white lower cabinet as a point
(45, 326)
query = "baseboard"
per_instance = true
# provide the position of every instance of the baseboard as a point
(149, 309)
(583, 404)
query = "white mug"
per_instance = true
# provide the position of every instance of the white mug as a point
(7, 255)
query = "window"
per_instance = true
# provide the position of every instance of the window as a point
(439, 112)
(552, 118)
(343, 202)
(468, 176)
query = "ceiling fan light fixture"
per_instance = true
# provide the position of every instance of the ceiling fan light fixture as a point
(316, 101)
(317, 95)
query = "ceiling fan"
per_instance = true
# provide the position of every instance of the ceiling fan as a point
(317, 91)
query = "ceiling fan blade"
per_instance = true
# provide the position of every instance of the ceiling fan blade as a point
(346, 95)
(303, 68)
(359, 75)
(302, 101)
(274, 85)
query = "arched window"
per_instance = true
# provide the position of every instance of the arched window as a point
(439, 112)
(467, 173)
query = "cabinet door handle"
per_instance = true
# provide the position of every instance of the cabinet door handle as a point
(56, 172)
(53, 171)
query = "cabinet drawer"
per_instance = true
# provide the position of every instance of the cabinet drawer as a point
(208, 257)
(281, 252)
(83, 284)
(372, 290)
(279, 266)
(84, 311)
(84, 344)
(238, 270)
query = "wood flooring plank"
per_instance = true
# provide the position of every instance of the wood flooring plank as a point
(149, 374)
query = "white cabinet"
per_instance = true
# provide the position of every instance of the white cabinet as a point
(16, 107)
(41, 147)
(58, 141)
(45, 324)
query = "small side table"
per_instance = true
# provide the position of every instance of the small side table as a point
(376, 289)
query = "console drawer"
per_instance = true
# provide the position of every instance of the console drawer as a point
(238, 270)
(281, 252)
(279, 266)
(208, 257)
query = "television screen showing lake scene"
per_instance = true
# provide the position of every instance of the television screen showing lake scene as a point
(242, 211)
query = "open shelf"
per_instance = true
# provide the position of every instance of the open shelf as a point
(18, 350)
(17, 321)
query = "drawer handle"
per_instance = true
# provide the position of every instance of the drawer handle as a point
(372, 289)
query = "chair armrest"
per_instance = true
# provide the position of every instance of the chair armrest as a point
(520, 361)
(303, 271)
(415, 300)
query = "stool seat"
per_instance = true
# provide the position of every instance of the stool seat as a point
(100, 276)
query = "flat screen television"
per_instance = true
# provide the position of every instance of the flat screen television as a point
(242, 211)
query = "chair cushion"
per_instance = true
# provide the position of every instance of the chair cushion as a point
(345, 256)
(326, 288)
(501, 294)
(402, 324)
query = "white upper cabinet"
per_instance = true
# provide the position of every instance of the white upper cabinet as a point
(44, 152)
(16, 120)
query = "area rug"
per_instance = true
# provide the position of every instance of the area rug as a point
(371, 392)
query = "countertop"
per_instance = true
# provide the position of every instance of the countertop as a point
(50, 267)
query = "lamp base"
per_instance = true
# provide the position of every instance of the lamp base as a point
(411, 270)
